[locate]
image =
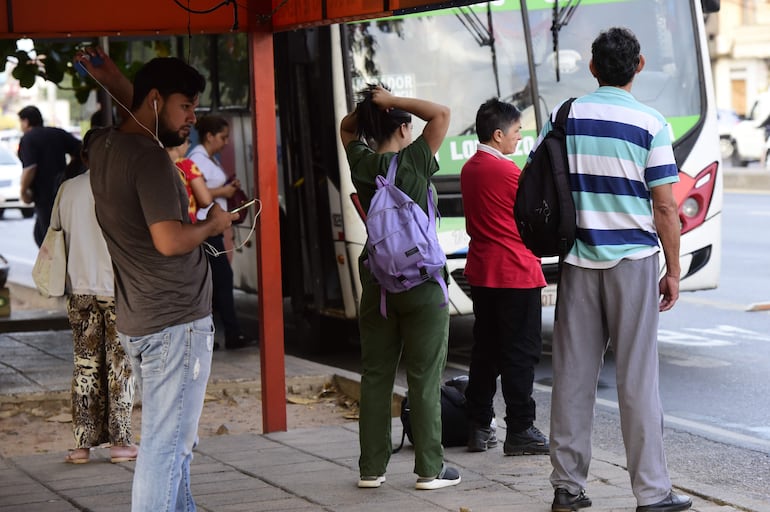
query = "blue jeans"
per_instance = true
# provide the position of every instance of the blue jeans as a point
(172, 369)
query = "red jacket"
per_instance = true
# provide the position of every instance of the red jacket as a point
(497, 258)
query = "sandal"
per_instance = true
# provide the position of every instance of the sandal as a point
(78, 456)
(123, 453)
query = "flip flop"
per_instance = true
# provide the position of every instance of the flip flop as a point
(123, 453)
(78, 456)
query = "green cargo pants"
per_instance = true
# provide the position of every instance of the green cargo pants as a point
(417, 326)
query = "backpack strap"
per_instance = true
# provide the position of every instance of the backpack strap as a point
(397, 449)
(561, 122)
(562, 114)
(390, 178)
(392, 170)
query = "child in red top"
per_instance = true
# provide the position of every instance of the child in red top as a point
(194, 182)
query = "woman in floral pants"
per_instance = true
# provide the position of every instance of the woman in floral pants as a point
(102, 385)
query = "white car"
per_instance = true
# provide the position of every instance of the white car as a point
(747, 138)
(10, 183)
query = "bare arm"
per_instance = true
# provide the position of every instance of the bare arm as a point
(27, 177)
(348, 128)
(174, 238)
(435, 115)
(667, 223)
(201, 192)
(109, 75)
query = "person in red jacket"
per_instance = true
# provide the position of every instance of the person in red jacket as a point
(505, 279)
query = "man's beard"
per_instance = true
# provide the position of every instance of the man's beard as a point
(168, 137)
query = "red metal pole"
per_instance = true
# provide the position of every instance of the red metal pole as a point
(271, 341)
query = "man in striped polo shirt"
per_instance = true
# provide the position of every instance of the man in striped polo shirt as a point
(621, 173)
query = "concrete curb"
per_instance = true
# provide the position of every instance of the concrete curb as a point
(747, 181)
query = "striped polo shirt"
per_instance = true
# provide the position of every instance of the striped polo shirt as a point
(618, 150)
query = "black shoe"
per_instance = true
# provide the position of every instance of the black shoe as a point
(670, 503)
(239, 341)
(564, 501)
(527, 442)
(481, 438)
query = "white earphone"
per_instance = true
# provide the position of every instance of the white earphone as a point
(155, 105)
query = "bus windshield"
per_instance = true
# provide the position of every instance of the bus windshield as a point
(463, 56)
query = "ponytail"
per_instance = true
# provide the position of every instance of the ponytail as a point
(374, 124)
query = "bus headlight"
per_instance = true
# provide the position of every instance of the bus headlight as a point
(690, 207)
(694, 195)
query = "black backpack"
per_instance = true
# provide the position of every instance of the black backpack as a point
(544, 209)
(454, 419)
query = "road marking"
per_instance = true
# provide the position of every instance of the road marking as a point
(709, 337)
(689, 340)
(714, 303)
(682, 422)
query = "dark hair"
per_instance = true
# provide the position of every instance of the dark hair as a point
(615, 54)
(168, 75)
(210, 124)
(494, 115)
(375, 124)
(32, 115)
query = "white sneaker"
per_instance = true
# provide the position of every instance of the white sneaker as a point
(370, 482)
(447, 477)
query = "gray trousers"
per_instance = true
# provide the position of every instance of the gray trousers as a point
(618, 305)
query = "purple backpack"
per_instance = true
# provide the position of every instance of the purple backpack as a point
(402, 247)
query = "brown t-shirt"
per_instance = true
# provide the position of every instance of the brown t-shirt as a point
(135, 185)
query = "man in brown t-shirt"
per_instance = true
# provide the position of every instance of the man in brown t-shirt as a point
(162, 277)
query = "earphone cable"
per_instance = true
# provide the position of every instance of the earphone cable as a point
(154, 135)
(213, 251)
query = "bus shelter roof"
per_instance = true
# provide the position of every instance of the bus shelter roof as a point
(91, 18)
(81, 19)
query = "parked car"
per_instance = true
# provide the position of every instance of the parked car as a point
(747, 138)
(766, 161)
(726, 120)
(10, 184)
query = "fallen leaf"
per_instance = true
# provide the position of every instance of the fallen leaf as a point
(300, 400)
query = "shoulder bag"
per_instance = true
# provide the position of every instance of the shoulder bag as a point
(50, 269)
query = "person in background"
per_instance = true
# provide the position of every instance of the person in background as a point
(622, 169)
(43, 152)
(214, 133)
(102, 383)
(505, 279)
(417, 325)
(162, 276)
(194, 183)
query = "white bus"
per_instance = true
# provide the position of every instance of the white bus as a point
(532, 53)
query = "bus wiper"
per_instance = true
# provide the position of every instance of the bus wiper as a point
(560, 19)
(483, 35)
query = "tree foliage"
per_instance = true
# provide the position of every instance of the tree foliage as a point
(53, 61)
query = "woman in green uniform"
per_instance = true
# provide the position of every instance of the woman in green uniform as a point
(417, 324)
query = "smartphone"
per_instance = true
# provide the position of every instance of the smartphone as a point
(95, 59)
(244, 206)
